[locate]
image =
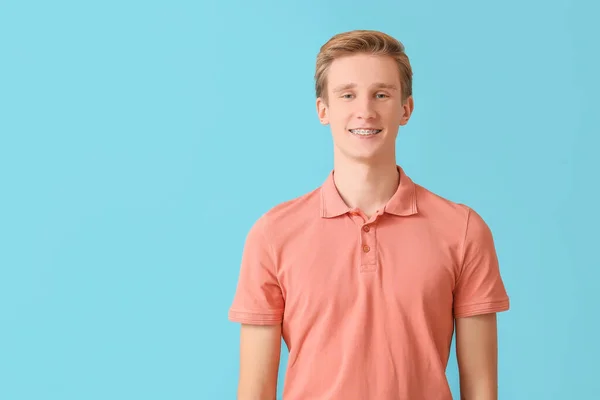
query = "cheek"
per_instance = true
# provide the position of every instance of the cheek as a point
(394, 117)
(338, 120)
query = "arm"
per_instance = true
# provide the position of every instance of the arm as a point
(260, 350)
(477, 356)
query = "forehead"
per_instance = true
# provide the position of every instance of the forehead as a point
(363, 70)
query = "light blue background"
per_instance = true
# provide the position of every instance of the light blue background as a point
(139, 141)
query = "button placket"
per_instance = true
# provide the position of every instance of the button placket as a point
(368, 248)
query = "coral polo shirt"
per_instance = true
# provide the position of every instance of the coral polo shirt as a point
(367, 306)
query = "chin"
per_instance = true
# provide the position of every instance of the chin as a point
(363, 156)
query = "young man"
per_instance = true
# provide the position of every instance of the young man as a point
(367, 276)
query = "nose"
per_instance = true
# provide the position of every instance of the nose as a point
(365, 109)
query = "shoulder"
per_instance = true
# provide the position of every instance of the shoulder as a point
(434, 205)
(461, 219)
(459, 225)
(289, 213)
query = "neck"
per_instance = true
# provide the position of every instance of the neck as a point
(367, 187)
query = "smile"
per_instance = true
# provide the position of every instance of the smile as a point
(365, 132)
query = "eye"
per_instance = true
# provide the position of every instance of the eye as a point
(346, 96)
(382, 95)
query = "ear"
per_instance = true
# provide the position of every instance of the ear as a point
(407, 107)
(322, 111)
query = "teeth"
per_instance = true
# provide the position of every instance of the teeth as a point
(365, 131)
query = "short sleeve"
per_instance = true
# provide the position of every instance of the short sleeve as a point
(258, 298)
(479, 288)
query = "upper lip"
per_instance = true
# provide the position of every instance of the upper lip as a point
(365, 127)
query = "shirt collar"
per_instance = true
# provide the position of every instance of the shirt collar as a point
(402, 203)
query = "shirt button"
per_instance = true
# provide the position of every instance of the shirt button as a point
(366, 248)
(366, 228)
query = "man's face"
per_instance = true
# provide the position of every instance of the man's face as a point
(364, 107)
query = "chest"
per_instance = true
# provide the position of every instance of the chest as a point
(358, 270)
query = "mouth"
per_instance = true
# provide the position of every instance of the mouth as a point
(365, 132)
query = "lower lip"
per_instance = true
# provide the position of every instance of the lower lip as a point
(365, 136)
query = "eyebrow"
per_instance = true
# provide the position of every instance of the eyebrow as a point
(378, 85)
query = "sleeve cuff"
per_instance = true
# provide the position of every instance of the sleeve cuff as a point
(256, 318)
(470, 310)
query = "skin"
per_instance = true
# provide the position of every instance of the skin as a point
(477, 356)
(364, 91)
(260, 352)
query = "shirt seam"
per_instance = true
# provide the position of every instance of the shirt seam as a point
(481, 303)
(266, 237)
(481, 308)
(463, 242)
(256, 317)
(256, 313)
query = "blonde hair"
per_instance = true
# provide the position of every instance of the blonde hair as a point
(366, 42)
